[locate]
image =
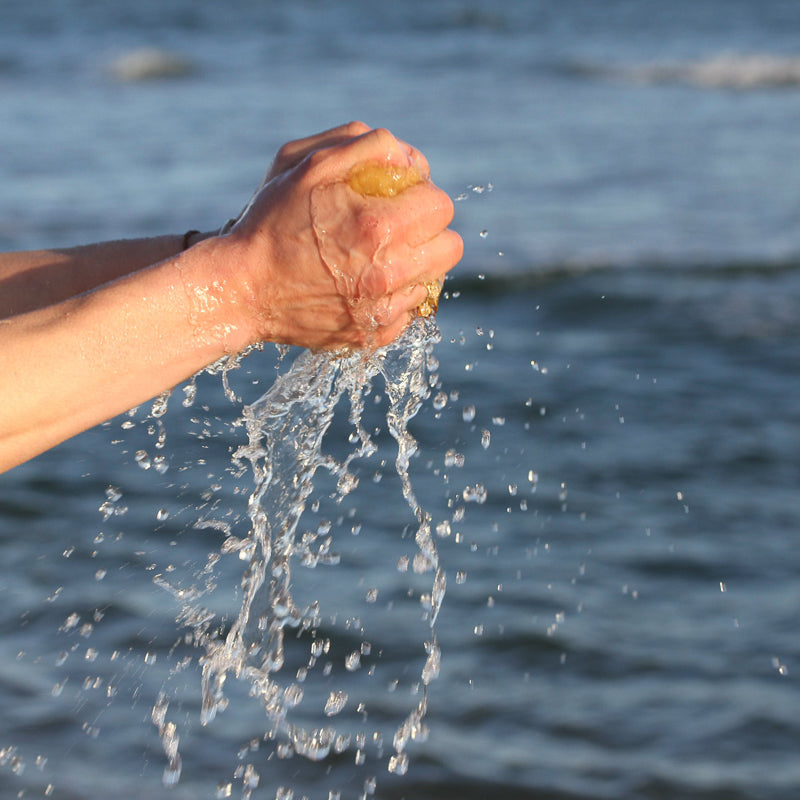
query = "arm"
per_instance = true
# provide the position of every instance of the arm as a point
(32, 280)
(310, 263)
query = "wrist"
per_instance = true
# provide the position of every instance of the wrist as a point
(222, 307)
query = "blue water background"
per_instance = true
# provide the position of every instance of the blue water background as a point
(625, 322)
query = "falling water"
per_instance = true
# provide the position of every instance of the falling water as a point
(285, 430)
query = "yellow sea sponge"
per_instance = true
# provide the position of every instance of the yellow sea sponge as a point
(372, 179)
(382, 180)
(431, 304)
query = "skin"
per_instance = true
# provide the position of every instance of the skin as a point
(89, 332)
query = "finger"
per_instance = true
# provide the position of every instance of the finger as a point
(377, 145)
(420, 213)
(292, 153)
(406, 301)
(431, 260)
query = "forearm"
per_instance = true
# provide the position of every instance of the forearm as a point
(69, 366)
(35, 279)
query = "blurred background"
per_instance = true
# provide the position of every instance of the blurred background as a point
(617, 375)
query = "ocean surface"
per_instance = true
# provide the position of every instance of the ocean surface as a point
(610, 452)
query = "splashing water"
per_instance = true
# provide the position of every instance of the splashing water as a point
(285, 430)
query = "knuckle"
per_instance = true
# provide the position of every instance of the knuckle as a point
(384, 139)
(356, 128)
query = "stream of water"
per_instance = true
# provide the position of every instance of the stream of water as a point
(286, 429)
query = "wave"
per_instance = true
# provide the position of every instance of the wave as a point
(520, 278)
(149, 63)
(725, 71)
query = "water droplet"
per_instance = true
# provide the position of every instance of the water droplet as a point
(398, 764)
(172, 772)
(190, 393)
(353, 661)
(468, 414)
(142, 459)
(159, 407)
(432, 665)
(335, 703)
(440, 401)
(475, 494)
(70, 622)
(484, 233)
(372, 595)
(486, 439)
(453, 458)
(162, 514)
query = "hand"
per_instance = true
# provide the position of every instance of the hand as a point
(325, 267)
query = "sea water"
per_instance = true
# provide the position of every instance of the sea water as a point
(620, 624)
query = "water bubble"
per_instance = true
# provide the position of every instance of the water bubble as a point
(484, 233)
(443, 529)
(486, 439)
(440, 401)
(468, 413)
(372, 595)
(162, 514)
(142, 459)
(224, 791)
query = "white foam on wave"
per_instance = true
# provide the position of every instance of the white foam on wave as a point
(725, 71)
(151, 63)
